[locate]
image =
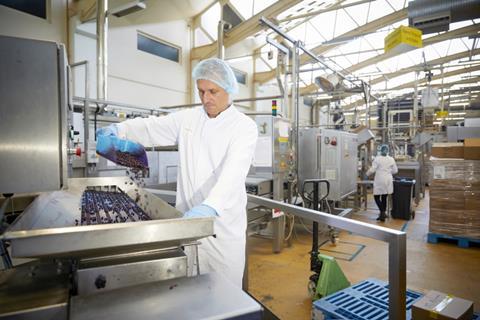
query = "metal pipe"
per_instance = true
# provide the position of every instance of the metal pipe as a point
(220, 46)
(294, 101)
(102, 49)
(415, 103)
(234, 101)
(397, 241)
(311, 54)
(312, 69)
(121, 105)
(282, 86)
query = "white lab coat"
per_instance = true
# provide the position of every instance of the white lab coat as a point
(383, 167)
(214, 159)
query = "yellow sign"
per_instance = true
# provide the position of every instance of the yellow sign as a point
(442, 114)
(403, 39)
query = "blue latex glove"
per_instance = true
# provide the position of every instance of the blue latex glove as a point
(108, 130)
(200, 211)
(108, 144)
(105, 139)
(108, 141)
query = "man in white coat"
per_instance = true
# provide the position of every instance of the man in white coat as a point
(384, 167)
(216, 143)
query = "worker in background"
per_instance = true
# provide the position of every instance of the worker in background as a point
(384, 167)
(216, 143)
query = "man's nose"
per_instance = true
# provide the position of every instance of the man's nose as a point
(207, 95)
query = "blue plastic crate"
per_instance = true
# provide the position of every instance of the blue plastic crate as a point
(367, 300)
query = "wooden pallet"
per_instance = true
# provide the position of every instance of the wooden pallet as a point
(462, 242)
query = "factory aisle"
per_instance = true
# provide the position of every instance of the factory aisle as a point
(280, 281)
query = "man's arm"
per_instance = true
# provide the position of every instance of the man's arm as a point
(234, 171)
(152, 131)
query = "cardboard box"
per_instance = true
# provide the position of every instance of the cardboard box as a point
(452, 150)
(472, 149)
(440, 306)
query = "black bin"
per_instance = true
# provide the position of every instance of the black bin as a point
(402, 198)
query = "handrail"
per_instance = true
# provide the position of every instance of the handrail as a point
(397, 244)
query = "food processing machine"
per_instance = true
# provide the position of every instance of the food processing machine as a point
(89, 248)
(331, 155)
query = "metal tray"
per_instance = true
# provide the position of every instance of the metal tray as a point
(47, 227)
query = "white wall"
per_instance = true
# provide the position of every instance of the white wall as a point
(141, 78)
(136, 77)
(19, 24)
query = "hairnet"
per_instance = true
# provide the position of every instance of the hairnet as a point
(384, 149)
(217, 71)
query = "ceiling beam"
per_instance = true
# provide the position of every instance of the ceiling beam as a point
(391, 75)
(366, 28)
(437, 86)
(421, 66)
(243, 30)
(438, 77)
(88, 10)
(457, 33)
(331, 8)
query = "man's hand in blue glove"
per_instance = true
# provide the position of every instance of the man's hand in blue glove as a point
(201, 211)
(110, 146)
(105, 139)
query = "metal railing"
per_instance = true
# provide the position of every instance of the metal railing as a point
(397, 243)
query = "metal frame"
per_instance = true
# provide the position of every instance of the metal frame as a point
(397, 246)
(86, 113)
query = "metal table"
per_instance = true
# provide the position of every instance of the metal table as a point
(208, 296)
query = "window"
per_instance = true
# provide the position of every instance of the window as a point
(241, 76)
(230, 16)
(37, 8)
(159, 48)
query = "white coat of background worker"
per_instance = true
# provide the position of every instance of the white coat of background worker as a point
(216, 143)
(384, 167)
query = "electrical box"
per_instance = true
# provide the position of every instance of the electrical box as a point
(33, 115)
(403, 39)
(273, 152)
(329, 154)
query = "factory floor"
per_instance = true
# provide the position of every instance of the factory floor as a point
(279, 281)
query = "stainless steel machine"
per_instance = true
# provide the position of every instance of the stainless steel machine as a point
(331, 155)
(271, 164)
(57, 267)
(33, 115)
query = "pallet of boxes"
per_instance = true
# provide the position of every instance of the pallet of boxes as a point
(455, 193)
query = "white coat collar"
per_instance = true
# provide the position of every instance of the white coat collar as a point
(223, 115)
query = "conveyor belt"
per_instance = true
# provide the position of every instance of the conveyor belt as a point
(99, 207)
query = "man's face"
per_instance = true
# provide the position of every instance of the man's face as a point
(214, 98)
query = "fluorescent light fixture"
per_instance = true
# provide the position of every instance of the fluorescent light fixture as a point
(457, 113)
(437, 122)
(455, 118)
(458, 104)
(127, 8)
(348, 113)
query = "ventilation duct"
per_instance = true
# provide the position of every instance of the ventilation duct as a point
(436, 15)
